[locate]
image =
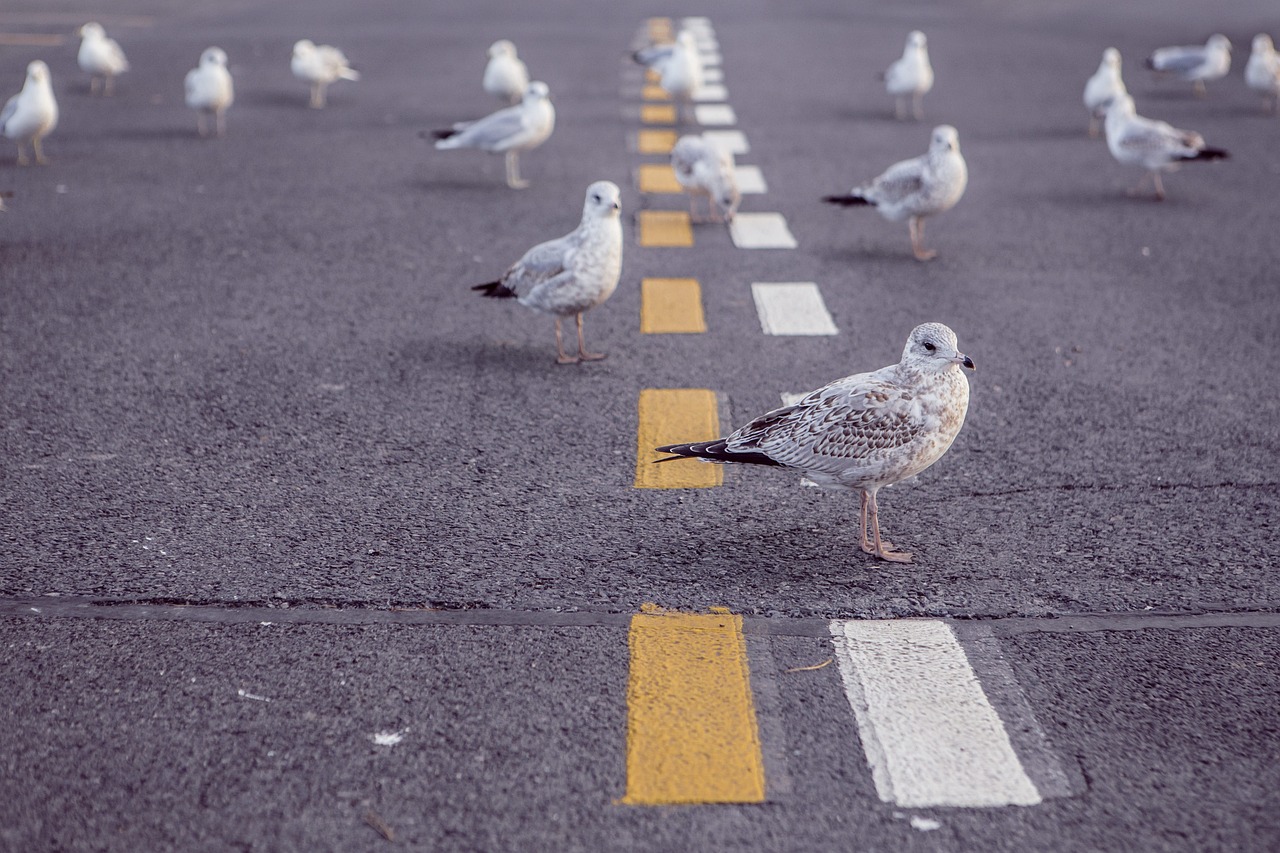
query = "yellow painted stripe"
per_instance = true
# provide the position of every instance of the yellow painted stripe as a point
(692, 735)
(31, 40)
(654, 93)
(671, 306)
(651, 76)
(655, 141)
(676, 416)
(660, 29)
(664, 228)
(657, 178)
(658, 113)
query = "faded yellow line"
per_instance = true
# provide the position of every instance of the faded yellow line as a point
(654, 93)
(660, 30)
(31, 40)
(664, 228)
(651, 76)
(692, 735)
(671, 306)
(675, 416)
(657, 178)
(655, 141)
(658, 113)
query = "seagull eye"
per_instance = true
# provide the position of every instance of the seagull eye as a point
(928, 347)
(595, 198)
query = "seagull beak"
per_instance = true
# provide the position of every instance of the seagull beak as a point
(964, 361)
(617, 205)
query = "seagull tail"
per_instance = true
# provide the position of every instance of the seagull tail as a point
(1209, 154)
(349, 74)
(1150, 62)
(443, 138)
(494, 290)
(846, 200)
(712, 451)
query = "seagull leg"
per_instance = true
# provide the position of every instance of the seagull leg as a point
(884, 549)
(561, 357)
(582, 347)
(220, 122)
(899, 108)
(109, 86)
(200, 128)
(916, 226)
(1093, 126)
(93, 84)
(1199, 88)
(862, 512)
(513, 171)
(1159, 186)
(35, 146)
(917, 107)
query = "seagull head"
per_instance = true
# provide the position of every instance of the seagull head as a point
(1111, 57)
(91, 30)
(1218, 41)
(1262, 43)
(933, 347)
(501, 47)
(945, 138)
(604, 200)
(304, 47)
(38, 72)
(214, 56)
(536, 91)
(916, 39)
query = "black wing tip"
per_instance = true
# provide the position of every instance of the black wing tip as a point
(437, 134)
(847, 200)
(712, 451)
(494, 290)
(1212, 154)
(1150, 63)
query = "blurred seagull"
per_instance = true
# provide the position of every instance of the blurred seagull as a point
(1153, 145)
(1195, 63)
(573, 274)
(320, 66)
(209, 90)
(32, 114)
(863, 432)
(100, 57)
(1102, 87)
(706, 171)
(910, 75)
(917, 188)
(678, 66)
(505, 76)
(1262, 74)
(508, 131)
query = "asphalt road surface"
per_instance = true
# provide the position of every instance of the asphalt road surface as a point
(306, 547)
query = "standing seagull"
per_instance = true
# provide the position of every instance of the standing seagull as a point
(32, 114)
(573, 274)
(706, 171)
(1154, 145)
(917, 188)
(210, 91)
(505, 75)
(100, 57)
(678, 66)
(910, 75)
(1262, 74)
(508, 131)
(320, 66)
(1196, 64)
(862, 432)
(1102, 88)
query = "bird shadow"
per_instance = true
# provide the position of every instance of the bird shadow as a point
(157, 133)
(513, 358)
(279, 99)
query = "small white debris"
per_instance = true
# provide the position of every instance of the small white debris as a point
(389, 738)
(245, 694)
(60, 189)
(924, 824)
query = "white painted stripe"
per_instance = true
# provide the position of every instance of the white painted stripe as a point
(711, 57)
(711, 92)
(715, 114)
(750, 180)
(761, 231)
(696, 22)
(792, 308)
(928, 731)
(712, 75)
(733, 141)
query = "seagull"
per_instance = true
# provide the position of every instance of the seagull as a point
(706, 171)
(505, 77)
(910, 75)
(917, 188)
(209, 90)
(1104, 85)
(100, 57)
(320, 66)
(678, 66)
(1262, 74)
(862, 432)
(32, 114)
(509, 131)
(1154, 145)
(1195, 63)
(573, 274)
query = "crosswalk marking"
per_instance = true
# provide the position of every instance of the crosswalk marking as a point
(929, 733)
(711, 92)
(715, 115)
(671, 306)
(792, 308)
(672, 416)
(733, 141)
(692, 733)
(664, 228)
(712, 75)
(657, 178)
(658, 113)
(750, 180)
(761, 231)
(655, 141)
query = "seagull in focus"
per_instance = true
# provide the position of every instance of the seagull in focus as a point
(678, 66)
(863, 432)
(32, 114)
(917, 188)
(707, 171)
(1196, 64)
(1102, 88)
(508, 131)
(320, 66)
(1154, 145)
(1262, 74)
(910, 75)
(505, 76)
(209, 90)
(573, 274)
(100, 57)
